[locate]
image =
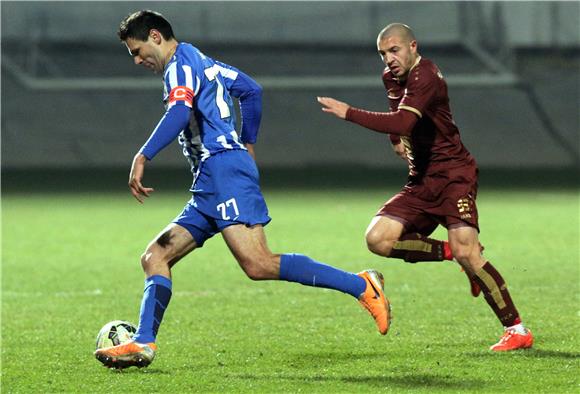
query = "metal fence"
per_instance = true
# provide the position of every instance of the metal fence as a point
(72, 98)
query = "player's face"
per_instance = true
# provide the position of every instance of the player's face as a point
(398, 54)
(146, 53)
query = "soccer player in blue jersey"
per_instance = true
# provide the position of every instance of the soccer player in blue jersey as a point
(226, 194)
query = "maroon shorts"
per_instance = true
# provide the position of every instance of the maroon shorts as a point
(446, 198)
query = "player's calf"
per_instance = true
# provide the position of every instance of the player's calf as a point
(415, 247)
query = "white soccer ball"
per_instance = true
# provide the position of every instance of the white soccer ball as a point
(115, 333)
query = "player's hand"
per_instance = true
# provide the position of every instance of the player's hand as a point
(400, 150)
(335, 107)
(137, 168)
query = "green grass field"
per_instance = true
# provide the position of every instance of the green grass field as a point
(70, 263)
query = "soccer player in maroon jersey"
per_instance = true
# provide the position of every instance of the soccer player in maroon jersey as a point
(442, 183)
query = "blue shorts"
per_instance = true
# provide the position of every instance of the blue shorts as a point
(226, 191)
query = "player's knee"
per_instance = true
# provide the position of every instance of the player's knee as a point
(373, 240)
(461, 256)
(151, 259)
(255, 271)
(258, 267)
(378, 243)
(147, 260)
(461, 252)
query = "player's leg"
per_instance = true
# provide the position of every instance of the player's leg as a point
(166, 249)
(465, 245)
(406, 240)
(188, 231)
(249, 247)
(390, 238)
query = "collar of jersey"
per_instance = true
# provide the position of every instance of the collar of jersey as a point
(172, 57)
(411, 69)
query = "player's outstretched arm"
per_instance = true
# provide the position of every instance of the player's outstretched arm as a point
(332, 106)
(136, 175)
(400, 122)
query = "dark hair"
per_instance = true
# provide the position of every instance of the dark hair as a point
(138, 24)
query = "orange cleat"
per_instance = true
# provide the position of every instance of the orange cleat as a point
(511, 340)
(127, 355)
(374, 300)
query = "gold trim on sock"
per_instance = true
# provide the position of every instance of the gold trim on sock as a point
(494, 290)
(415, 245)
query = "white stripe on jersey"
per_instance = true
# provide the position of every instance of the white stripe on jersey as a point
(188, 76)
(172, 70)
(197, 85)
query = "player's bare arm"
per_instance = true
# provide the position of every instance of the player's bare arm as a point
(136, 175)
(250, 148)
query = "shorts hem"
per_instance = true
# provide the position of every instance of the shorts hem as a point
(462, 224)
(263, 223)
(198, 242)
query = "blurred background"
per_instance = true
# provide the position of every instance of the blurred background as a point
(75, 108)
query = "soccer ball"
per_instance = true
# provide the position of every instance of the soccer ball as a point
(115, 333)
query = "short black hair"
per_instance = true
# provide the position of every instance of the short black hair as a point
(138, 24)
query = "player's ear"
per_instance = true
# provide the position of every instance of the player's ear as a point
(155, 36)
(413, 45)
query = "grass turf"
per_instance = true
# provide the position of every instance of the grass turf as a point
(70, 263)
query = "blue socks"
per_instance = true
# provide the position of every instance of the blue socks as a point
(293, 268)
(156, 297)
(302, 269)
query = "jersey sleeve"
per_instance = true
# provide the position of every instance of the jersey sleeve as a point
(421, 90)
(249, 93)
(168, 128)
(181, 84)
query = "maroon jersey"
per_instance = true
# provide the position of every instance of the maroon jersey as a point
(434, 145)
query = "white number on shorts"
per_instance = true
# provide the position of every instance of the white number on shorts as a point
(225, 205)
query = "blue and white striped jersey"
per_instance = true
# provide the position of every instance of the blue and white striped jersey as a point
(203, 84)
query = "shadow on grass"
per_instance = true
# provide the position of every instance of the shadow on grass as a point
(134, 370)
(379, 379)
(407, 380)
(318, 358)
(531, 353)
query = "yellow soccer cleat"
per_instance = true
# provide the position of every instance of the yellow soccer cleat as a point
(127, 355)
(374, 300)
(512, 340)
